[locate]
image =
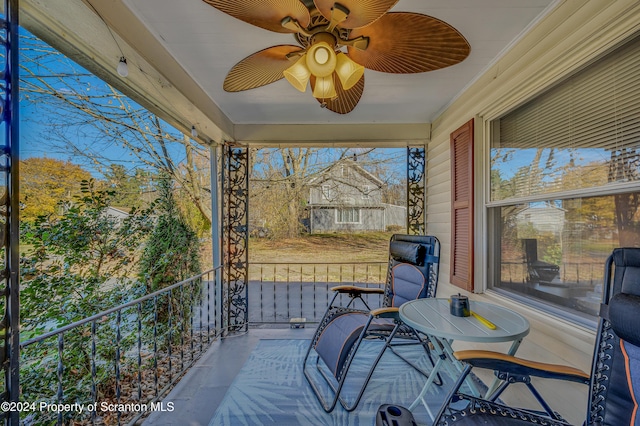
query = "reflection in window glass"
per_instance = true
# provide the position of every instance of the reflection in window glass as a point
(581, 133)
(554, 251)
(525, 172)
(551, 160)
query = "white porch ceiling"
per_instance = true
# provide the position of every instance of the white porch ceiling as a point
(208, 43)
(193, 45)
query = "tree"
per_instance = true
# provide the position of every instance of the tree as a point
(100, 126)
(76, 265)
(130, 189)
(71, 257)
(625, 167)
(172, 251)
(280, 180)
(46, 185)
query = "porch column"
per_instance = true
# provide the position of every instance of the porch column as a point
(235, 238)
(9, 207)
(416, 190)
(216, 229)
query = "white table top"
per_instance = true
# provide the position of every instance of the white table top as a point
(432, 316)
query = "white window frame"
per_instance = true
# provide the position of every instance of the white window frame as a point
(326, 192)
(366, 192)
(352, 209)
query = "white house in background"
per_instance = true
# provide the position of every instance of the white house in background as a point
(116, 213)
(542, 217)
(347, 197)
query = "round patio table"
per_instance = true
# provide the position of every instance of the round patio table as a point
(432, 317)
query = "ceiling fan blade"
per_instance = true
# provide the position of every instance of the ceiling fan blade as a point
(346, 100)
(265, 14)
(261, 68)
(405, 43)
(361, 12)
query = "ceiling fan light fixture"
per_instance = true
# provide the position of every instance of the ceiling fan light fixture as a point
(324, 88)
(321, 59)
(349, 72)
(342, 37)
(298, 74)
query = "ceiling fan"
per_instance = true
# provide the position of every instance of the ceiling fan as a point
(336, 42)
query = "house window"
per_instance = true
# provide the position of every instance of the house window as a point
(565, 187)
(348, 215)
(366, 192)
(327, 193)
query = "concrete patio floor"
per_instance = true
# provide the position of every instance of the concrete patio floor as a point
(197, 396)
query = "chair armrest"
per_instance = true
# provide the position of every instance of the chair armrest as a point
(510, 364)
(351, 289)
(389, 312)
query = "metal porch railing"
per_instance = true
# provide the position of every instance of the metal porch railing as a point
(115, 366)
(279, 292)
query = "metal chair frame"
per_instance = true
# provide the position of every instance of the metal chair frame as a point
(394, 328)
(513, 372)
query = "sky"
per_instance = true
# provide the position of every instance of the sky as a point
(44, 123)
(43, 128)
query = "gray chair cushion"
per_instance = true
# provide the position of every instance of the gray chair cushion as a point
(407, 283)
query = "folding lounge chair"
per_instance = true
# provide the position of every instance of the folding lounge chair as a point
(615, 373)
(537, 270)
(412, 274)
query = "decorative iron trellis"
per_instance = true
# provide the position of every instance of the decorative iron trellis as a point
(416, 183)
(235, 238)
(9, 205)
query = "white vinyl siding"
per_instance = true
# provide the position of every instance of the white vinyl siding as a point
(573, 36)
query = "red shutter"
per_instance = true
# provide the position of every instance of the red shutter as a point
(462, 207)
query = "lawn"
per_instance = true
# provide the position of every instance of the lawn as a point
(344, 247)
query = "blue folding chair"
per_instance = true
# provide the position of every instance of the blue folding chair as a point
(412, 274)
(615, 373)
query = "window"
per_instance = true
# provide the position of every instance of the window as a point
(348, 215)
(565, 186)
(327, 193)
(366, 192)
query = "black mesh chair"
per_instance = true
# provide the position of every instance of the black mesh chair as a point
(615, 373)
(412, 274)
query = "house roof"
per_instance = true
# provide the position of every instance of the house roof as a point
(351, 164)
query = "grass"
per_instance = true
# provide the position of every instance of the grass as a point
(319, 249)
(344, 247)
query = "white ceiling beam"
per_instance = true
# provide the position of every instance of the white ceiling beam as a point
(364, 135)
